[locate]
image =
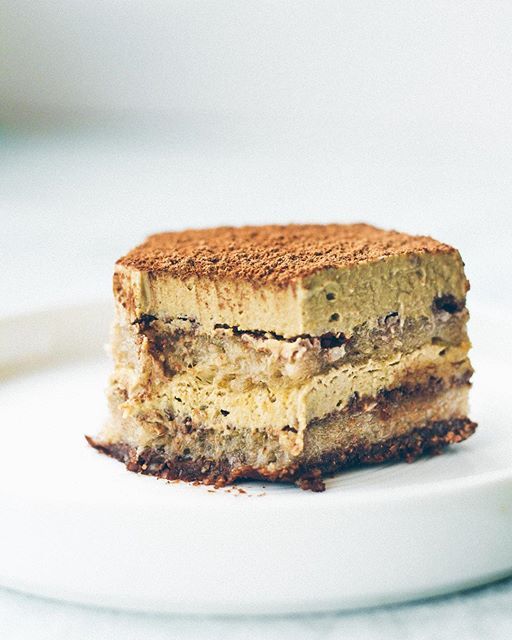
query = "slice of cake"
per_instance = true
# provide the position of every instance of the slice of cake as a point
(286, 352)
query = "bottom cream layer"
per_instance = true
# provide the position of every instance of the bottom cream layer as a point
(400, 424)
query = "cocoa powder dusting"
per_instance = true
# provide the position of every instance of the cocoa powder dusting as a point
(273, 254)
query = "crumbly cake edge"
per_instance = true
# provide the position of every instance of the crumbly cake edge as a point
(428, 439)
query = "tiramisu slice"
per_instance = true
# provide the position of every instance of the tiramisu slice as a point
(286, 352)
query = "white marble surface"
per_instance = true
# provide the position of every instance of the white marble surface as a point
(479, 615)
(71, 203)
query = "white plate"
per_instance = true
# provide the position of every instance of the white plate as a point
(76, 525)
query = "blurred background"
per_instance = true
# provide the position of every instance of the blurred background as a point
(120, 118)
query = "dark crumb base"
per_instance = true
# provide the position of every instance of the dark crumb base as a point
(429, 439)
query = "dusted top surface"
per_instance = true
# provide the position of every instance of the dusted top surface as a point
(274, 254)
(288, 280)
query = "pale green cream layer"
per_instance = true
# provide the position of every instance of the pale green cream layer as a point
(333, 300)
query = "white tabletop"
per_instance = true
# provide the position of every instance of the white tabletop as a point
(70, 204)
(478, 615)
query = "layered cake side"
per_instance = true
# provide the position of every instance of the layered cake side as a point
(286, 352)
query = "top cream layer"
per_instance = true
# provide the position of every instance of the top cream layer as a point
(332, 300)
